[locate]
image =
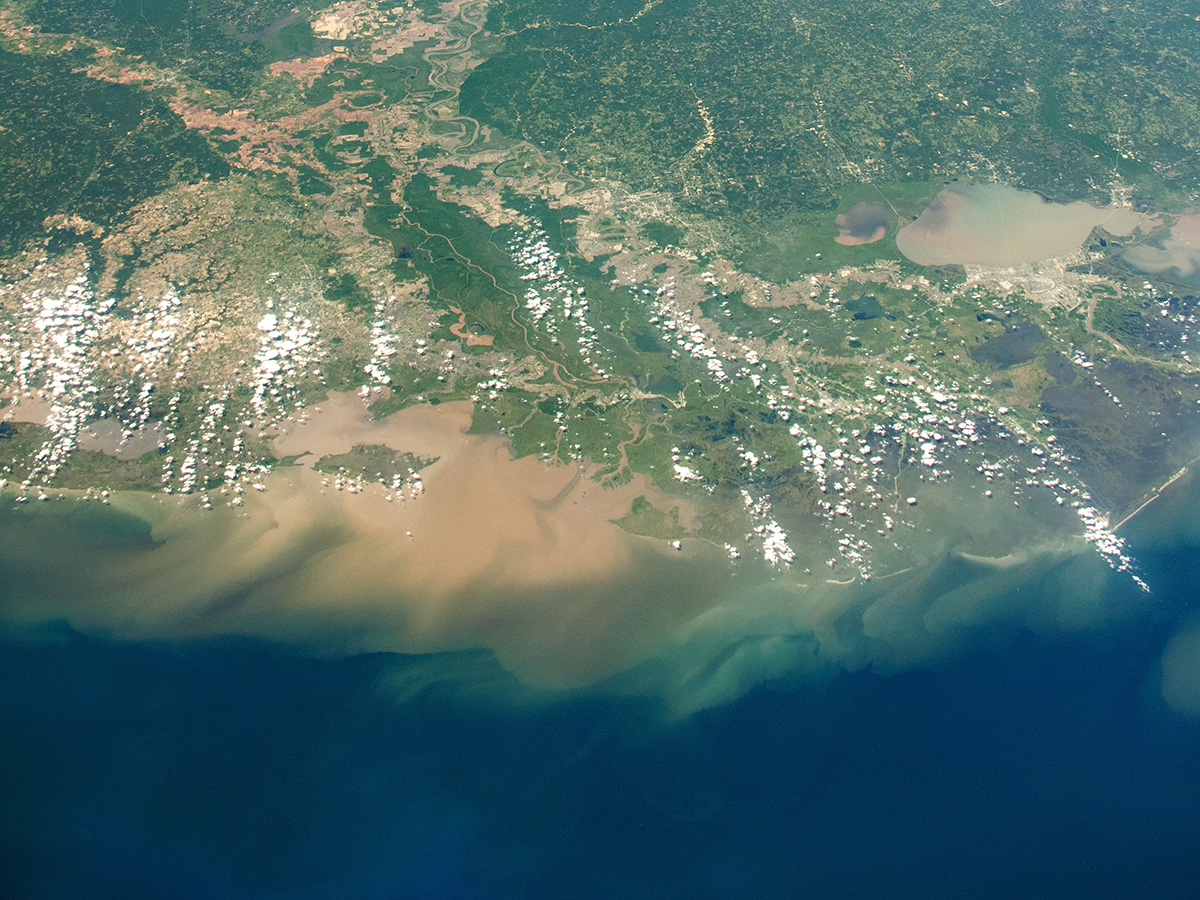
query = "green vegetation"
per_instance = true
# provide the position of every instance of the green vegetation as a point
(805, 102)
(223, 44)
(368, 84)
(464, 178)
(663, 234)
(646, 519)
(72, 145)
(373, 462)
(800, 240)
(344, 288)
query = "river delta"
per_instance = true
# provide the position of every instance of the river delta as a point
(471, 449)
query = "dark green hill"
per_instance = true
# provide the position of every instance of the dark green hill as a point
(223, 43)
(803, 98)
(69, 144)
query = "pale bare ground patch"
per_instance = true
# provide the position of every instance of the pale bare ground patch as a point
(339, 21)
(261, 142)
(305, 71)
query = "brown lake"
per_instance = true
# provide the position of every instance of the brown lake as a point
(999, 226)
(863, 223)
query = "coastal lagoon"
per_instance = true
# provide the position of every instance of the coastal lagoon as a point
(997, 225)
(863, 223)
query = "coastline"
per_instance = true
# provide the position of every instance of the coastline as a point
(1155, 494)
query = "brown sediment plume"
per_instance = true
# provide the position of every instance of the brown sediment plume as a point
(1180, 251)
(482, 515)
(508, 554)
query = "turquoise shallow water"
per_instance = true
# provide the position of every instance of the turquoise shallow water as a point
(1041, 766)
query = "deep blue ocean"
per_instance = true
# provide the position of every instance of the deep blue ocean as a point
(1048, 767)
